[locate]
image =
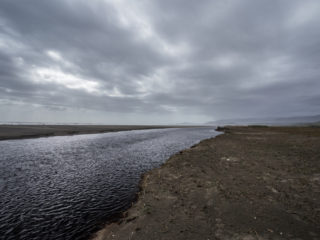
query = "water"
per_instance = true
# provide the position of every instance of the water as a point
(66, 187)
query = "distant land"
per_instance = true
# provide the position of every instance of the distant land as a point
(19, 131)
(297, 120)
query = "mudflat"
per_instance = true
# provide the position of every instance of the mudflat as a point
(33, 131)
(249, 183)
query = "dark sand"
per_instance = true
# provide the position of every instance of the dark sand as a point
(249, 183)
(33, 131)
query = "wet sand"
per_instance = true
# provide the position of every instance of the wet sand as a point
(34, 131)
(249, 183)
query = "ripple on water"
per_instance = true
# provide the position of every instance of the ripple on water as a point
(66, 187)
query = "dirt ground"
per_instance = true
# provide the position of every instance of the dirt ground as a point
(249, 183)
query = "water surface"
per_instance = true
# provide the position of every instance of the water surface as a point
(65, 187)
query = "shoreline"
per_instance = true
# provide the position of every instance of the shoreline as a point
(12, 132)
(249, 183)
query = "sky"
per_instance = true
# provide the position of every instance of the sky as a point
(158, 61)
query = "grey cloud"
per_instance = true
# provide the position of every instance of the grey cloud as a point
(225, 59)
(86, 34)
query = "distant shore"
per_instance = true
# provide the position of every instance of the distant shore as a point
(249, 183)
(8, 131)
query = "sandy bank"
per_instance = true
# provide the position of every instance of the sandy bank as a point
(250, 183)
(33, 131)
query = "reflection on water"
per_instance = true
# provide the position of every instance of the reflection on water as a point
(65, 187)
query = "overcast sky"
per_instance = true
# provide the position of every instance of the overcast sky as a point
(158, 62)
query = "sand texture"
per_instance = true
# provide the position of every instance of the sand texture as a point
(249, 183)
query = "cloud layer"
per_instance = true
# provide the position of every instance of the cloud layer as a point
(164, 61)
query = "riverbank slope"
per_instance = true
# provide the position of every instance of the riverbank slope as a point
(249, 183)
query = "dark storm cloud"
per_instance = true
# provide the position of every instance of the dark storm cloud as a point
(189, 59)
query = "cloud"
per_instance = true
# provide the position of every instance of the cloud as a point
(158, 61)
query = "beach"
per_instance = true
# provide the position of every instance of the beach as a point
(12, 131)
(248, 183)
